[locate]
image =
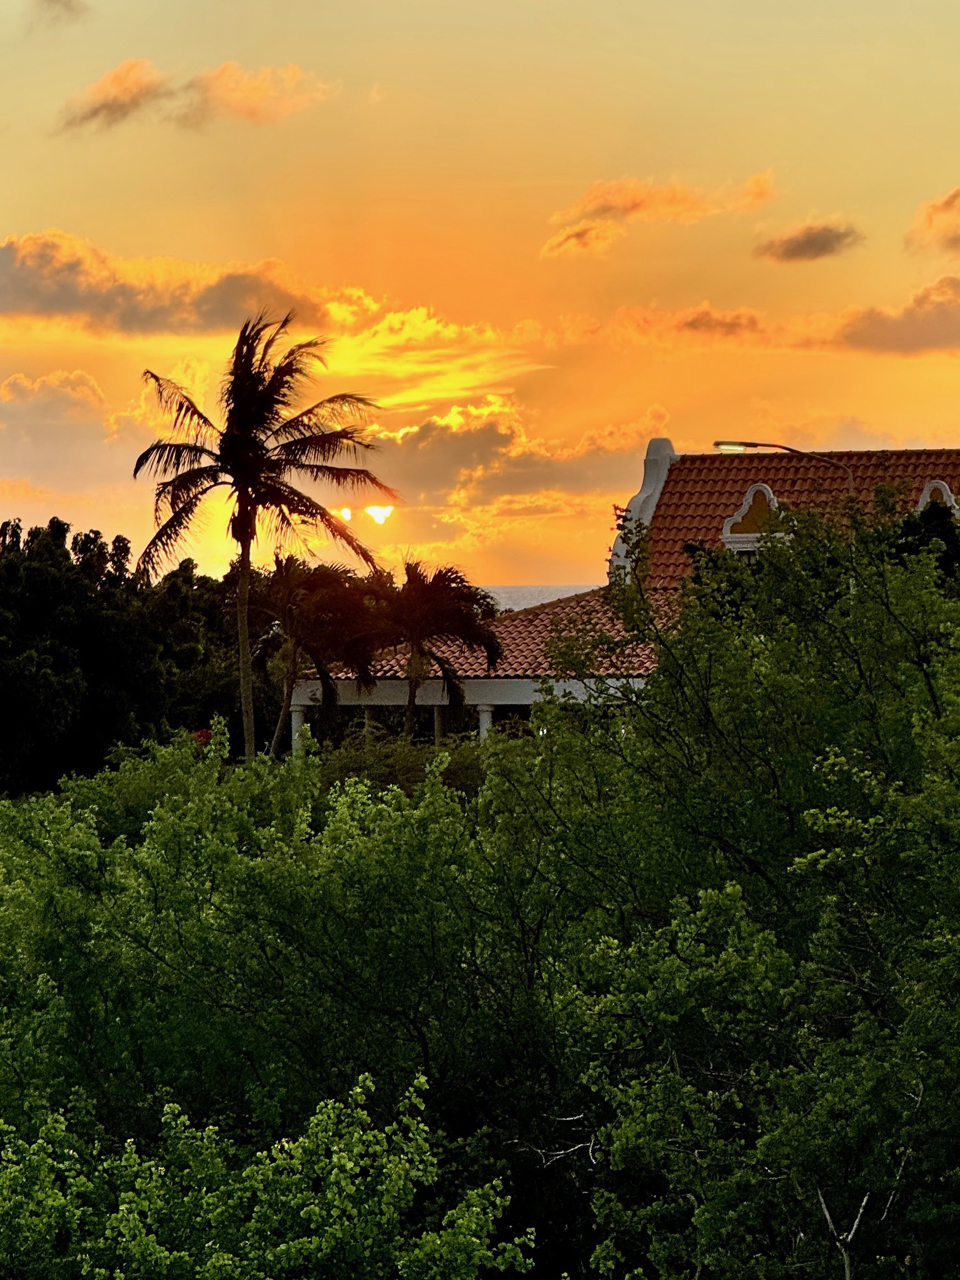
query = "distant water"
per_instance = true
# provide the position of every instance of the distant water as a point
(522, 597)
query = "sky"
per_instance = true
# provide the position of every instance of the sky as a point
(536, 232)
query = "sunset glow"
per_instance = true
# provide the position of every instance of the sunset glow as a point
(380, 514)
(536, 235)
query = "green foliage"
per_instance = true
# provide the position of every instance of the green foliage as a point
(337, 1203)
(681, 966)
(92, 656)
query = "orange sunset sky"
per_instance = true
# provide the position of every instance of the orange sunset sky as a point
(536, 231)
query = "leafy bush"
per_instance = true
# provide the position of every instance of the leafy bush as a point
(680, 966)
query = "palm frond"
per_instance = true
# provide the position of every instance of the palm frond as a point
(278, 327)
(293, 369)
(449, 679)
(172, 494)
(354, 479)
(161, 545)
(282, 501)
(173, 399)
(322, 445)
(170, 458)
(333, 411)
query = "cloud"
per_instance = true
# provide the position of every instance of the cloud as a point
(937, 224)
(475, 480)
(59, 10)
(138, 88)
(812, 240)
(598, 214)
(590, 236)
(412, 358)
(263, 96)
(52, 273)
(635, 198)
(930, 321)
(67, 392)
(477, 454)
(54, 427)
(699, 325)
(129, 89)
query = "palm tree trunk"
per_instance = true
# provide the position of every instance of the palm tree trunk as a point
(246, 665)
(288, 683)
(417, 670)
(410, 718)
(284, 717)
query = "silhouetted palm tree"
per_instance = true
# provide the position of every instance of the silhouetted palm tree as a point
(262, 443)
(430, 608)
(319, 616)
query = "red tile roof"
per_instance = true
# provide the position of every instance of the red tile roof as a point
(702, 490)
(526, 638)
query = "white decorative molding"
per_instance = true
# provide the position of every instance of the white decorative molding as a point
(946, 496)
(741, 540)
(477, 691)
(659, 458)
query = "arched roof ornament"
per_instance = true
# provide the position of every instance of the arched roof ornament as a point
(742, 530)
(937, 491)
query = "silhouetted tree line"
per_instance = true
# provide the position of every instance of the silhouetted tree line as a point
(94, 655)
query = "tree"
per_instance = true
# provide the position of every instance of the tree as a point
(261, 444)
(430, 608)
(318, 615)
(343, 1199)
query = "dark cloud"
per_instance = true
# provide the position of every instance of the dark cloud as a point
(128, 90)
(937, 224)
(59, 10)
(52, 273)
(929, 322)
(809, 242)
(719, 324)
(592, 235)
(480, 455)
(135, 87)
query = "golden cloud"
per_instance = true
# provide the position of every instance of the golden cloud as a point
(930, 321)
(263, 96)
(76, 391)
(129, 89)
(937, 224)
(403, 357)
(138, 88)
(589, 236)
(648, 201)
(598, 214)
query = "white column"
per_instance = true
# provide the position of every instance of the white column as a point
(485, 712)
(296, 724)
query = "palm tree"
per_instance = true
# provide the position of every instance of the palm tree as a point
(317, 615)
(264, 440)
(427, 609)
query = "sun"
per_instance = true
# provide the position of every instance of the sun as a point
(380, 514)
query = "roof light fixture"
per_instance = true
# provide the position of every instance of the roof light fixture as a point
(741, 446)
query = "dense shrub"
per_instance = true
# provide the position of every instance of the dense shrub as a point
(680, 966)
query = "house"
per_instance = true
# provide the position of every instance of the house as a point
(707, 499)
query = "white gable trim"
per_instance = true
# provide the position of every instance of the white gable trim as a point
(659, 458)
(746, 541)
(928, 489)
